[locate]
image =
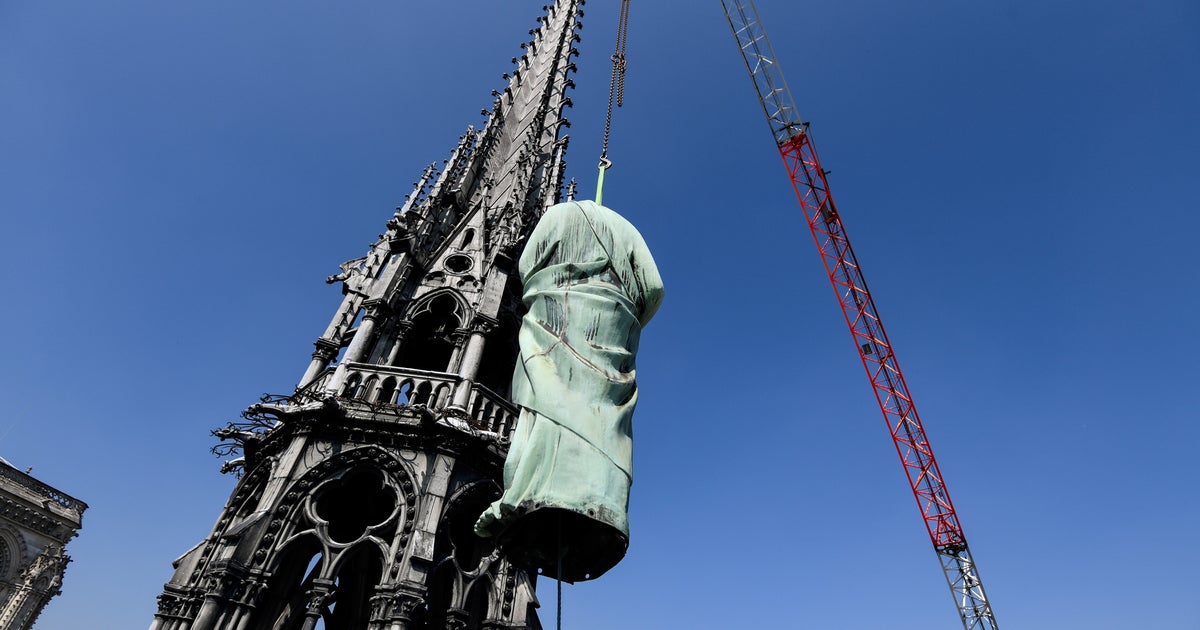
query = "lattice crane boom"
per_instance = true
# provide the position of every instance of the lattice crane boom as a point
(795, 146)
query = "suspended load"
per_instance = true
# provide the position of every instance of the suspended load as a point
(590, 285)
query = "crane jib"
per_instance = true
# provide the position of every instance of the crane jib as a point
(811, 186)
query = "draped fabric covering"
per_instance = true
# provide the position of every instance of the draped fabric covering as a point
(590, 285)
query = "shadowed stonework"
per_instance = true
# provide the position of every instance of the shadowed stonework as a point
(357, 493)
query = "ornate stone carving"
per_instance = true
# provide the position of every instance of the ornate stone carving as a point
(376, 308)
(456, 619)
(326, 350)
(407, 606)
(494, 184)
(169, 604)
(483, 324)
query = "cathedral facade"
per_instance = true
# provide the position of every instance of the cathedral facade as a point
(36, 521)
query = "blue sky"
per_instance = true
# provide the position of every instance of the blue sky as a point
(1018, 179)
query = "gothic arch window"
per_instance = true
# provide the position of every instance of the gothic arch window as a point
(441, 396)
(246, 497)
(442, 587)
(500, 355)
(359, 572)
(476, 605)
(291, 579)
(430, 343)
(458, 551)
(355, 504)
(368, 388)
(387, 392)
(467, 548)
(352, 386)
(13, 553)
(336, 552)
(423, 392)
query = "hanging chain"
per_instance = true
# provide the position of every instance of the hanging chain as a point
(616, 85)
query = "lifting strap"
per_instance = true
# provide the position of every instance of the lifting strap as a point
(616, 93)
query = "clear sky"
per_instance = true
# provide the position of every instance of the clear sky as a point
(1018, 178)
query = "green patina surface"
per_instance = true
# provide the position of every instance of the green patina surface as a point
(590, 285)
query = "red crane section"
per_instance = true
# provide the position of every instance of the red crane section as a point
(808, 178)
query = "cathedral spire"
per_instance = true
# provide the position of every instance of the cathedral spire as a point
(494, 186)
(523, 148)
(358, 491)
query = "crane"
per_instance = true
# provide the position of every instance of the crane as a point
(792, 137)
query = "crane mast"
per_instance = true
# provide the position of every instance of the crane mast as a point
(795, 146)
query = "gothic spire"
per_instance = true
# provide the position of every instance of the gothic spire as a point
(512, 168)
(396, 435)
(495, 184)
(525, 156)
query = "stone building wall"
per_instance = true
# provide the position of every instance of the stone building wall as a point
(36, 522)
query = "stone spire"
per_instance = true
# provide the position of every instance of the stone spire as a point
(358, 491)
(494, 186)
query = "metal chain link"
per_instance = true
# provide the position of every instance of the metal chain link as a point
(616, 85)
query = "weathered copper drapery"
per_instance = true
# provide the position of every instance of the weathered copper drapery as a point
(590, 285)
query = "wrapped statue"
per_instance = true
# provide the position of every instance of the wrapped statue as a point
(590, 285)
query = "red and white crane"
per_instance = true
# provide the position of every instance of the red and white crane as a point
(795, 146)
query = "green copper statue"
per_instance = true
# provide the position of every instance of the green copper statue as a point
(590, 285)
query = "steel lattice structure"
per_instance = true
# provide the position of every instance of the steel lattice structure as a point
(795, 146)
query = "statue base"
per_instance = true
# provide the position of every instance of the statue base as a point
(589, 547)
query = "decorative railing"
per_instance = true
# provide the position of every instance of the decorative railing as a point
(314, 390)
(41, 489)
(390, 386)
(491, 411)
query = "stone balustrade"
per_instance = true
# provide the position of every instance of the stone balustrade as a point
(389, 385)
(491, 412)
(42, 490)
